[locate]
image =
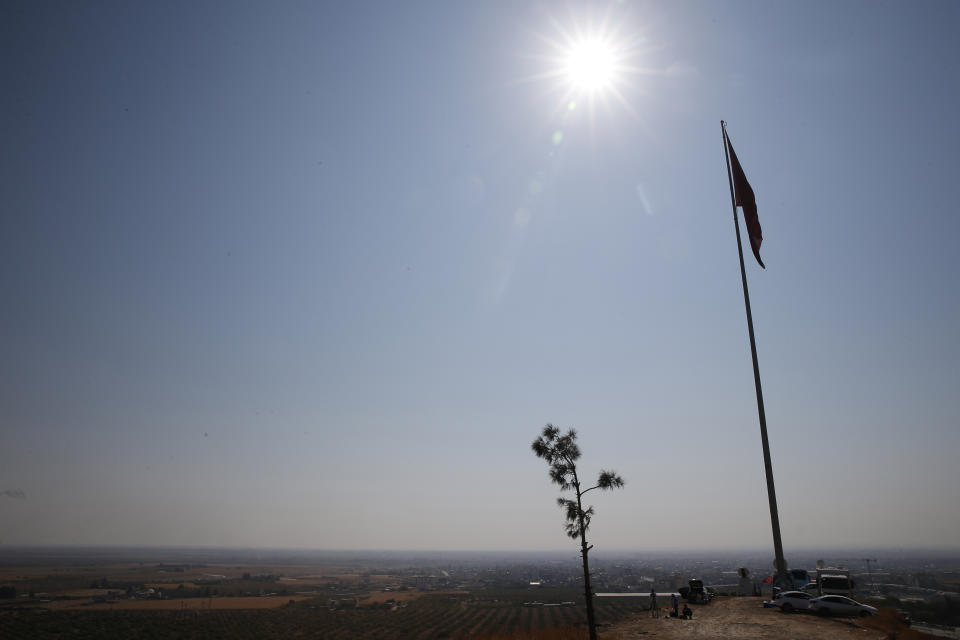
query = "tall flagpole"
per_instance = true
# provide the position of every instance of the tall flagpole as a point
(779, 562)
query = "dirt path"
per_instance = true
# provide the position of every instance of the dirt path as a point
(746, 619)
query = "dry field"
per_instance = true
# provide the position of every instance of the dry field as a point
(26, 572)
(150, 570)
(377, 597)
(79, 593)
(56, 580)
(186, 604)
(746, 619)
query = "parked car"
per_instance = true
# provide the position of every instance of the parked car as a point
(840, 605)
(792, 601)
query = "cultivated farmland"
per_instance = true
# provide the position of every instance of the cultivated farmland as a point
(428, 616)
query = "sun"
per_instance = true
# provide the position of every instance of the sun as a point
(590, 65)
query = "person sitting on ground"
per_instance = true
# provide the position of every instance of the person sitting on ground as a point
(687, 612)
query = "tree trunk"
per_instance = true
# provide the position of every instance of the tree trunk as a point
(584, 550)
(587, 590)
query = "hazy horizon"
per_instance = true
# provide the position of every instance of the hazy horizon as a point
(565, 550)
(756, 557)
(316, 274)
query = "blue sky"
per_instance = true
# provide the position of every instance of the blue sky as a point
(316, 274)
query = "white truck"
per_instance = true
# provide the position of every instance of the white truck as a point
(832, 581)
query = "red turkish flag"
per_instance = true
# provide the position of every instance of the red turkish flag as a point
(748, 202)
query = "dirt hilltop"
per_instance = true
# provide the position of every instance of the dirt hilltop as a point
(746, 619)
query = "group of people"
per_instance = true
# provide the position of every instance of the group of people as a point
(674, 602)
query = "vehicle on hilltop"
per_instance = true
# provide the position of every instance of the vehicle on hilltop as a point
(834, 581)
(696, 592)
(790, 601)
(840, 605)
(798, 578)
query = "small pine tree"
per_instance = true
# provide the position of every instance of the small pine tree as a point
(561, 453)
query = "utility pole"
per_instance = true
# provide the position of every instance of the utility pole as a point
(869, 574)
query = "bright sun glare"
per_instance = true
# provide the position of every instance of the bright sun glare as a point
(590, 65)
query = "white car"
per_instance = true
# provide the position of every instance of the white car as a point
(840, 605)
(792, 601)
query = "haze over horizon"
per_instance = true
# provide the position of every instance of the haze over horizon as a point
(315, 275)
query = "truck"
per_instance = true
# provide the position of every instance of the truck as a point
(834, 581)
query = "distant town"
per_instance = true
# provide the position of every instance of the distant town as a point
(905, 575)
(468, 592)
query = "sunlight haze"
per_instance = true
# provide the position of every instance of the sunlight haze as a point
(316, 275)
